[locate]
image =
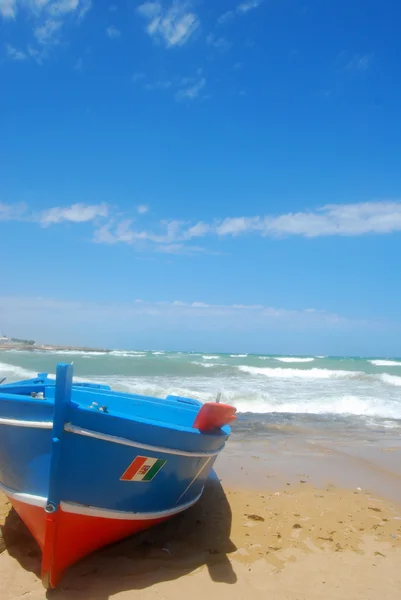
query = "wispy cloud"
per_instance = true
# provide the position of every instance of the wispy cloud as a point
(8, 8)
(220, 43)
(192, 91)
(113, 33)
(332, 219)
(15, 54)
(177, 236)
(76, 213)
(12, 212)
(240, 9)
(180, 88)
(245, 7)
(46, 17)
(335, 219)
(201, 314)
(173, 26)
(46, 33)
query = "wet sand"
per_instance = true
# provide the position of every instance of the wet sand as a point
(287, 520)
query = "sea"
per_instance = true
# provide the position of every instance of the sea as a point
(340, 393)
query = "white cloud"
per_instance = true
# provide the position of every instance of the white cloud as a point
(240, 9)
(237, 225)
(60, 7)
(173, 25)
(247, 6)
(113, 33)
(15, 54)
(219, 43)
(175, 236)
(46, 17)
(150, 10)
(191, 92)
(12, 212)
(333, 219)
(45, 33)
(76, 213)
(8, 8)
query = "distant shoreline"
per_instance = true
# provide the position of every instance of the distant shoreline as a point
(23, 347)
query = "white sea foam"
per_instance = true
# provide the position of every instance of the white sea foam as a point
(238, 355)
(270, 388)
(14, 372)
(301, 373)
(254, 398)
(385, 363)
(127, 354)
(391, 379)
(341, 405)
(204, 365)
(77, 352)
(156, 353)
(293, 359)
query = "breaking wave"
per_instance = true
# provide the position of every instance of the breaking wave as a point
(14, 372)
(391, 379)
(293, 359)
(385, 363)
(301, 373)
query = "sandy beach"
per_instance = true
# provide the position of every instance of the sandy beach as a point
(262, 528)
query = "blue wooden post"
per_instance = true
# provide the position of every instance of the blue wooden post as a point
(62, 397)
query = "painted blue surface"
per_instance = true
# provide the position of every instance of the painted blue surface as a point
(62, 465)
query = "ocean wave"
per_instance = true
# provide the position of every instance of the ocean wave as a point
(293, 359)
(251, 399)
(391, 379)
(14, 372)
(301, 373)
(385, 363)
(207, 357)
(157, 353)
(74, 352)
(204, 365)
(127, 353)
(341, 405)
(238, 355)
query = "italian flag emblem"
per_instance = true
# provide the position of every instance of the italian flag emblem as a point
(143, 468)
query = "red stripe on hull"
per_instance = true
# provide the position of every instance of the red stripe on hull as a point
(66, 537)
(34, 519)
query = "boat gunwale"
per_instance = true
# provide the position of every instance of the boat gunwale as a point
(78, 407)
(70, 428)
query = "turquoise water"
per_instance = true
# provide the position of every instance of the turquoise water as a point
(345, 390)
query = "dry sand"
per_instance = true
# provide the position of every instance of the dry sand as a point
(296, 543)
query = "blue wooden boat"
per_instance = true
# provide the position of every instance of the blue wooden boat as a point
(85, 466)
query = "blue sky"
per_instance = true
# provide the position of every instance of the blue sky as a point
(216, 175)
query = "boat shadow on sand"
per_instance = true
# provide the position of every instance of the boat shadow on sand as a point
(198, 537)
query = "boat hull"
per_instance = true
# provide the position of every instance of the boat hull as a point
(85, 466)
(72, 532)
